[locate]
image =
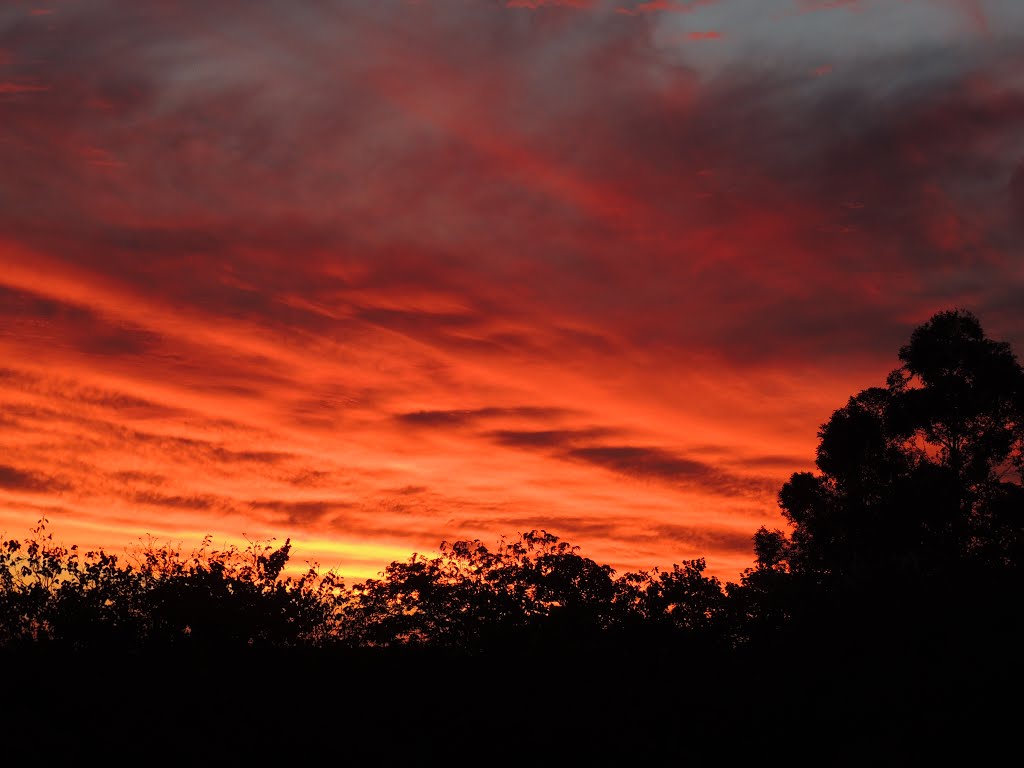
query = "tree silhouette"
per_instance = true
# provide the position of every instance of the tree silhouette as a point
(672, 605)
(470, 596)
(920, 474)
(209, 600)
(961, 396)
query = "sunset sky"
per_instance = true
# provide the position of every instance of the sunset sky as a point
(375, 274)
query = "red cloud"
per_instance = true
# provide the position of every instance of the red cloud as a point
(8, 88)
(273, 279)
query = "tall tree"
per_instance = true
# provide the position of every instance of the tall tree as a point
(923, 472)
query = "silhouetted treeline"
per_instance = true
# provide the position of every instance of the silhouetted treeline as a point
(891, 606)
(535, 590)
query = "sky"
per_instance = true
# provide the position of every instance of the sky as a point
(374, 275)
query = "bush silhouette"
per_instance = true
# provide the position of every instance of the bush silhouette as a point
(221, 599)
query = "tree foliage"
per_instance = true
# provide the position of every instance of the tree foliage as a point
(922, 473)
(533, 589)
(159, 597)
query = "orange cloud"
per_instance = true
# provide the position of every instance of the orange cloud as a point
(405, 274)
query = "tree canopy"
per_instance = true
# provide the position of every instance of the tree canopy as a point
(920, 474)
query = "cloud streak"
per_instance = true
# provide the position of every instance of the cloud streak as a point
(12, 478)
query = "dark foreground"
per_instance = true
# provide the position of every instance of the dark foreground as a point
(835, 701)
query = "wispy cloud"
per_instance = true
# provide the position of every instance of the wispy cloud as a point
(393, 272)
(15, 479)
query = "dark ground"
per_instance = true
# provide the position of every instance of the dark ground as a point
(827, 701)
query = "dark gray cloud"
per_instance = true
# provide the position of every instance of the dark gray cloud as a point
(172, 501)
(304, 513)
(32, 318)
(310, 478)
(15, 479)
(411, 490)
(706, 539)
(207, 449)
(648, 463)
(134, 476)
(548, 438)
(68, 390)
(464, 417)
(660, 465)
(643, 462)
